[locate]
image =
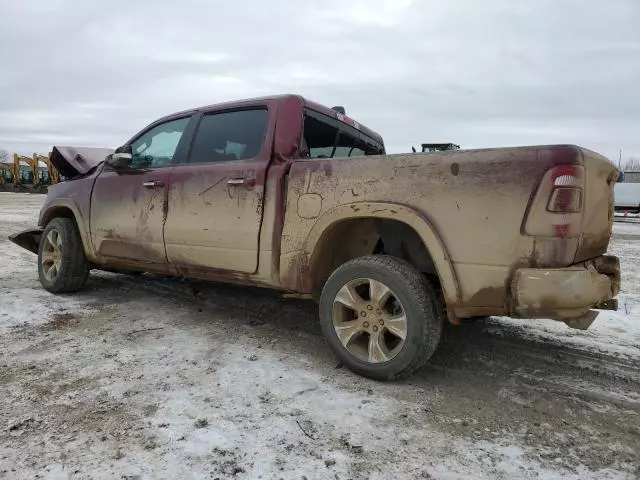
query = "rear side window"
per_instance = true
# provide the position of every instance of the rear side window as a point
(230, 136)
(325, 140)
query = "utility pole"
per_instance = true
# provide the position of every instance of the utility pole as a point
(620, 160)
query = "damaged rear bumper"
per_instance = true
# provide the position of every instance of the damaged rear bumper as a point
(28, 239)
(568, 294)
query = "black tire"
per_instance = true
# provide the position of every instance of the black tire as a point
(74, 268)
(423, 308)
(475, 320)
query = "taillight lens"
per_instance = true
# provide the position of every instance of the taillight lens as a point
(565, 200)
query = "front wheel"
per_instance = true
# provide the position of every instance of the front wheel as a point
(381, 317)
(62, 265)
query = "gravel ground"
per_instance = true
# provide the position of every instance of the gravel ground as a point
(149, 377)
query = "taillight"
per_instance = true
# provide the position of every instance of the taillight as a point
(566, 195)
(565, 198)
(559, 203)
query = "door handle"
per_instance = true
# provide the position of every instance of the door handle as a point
(153, 184)
(247, 182)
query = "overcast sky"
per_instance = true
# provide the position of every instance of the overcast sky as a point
(478, 73)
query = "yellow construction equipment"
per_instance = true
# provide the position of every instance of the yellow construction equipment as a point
(24, 167)
(29, 172)
(48, 174)
(6, 173)
(11, 167)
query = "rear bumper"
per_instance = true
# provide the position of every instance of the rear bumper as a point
(566, 293)
(28, 239)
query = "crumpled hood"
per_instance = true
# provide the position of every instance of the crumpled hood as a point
(74, 161)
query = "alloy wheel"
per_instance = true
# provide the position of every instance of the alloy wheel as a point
(51, 255)
(369, 320)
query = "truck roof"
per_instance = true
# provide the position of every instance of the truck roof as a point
(280, 98)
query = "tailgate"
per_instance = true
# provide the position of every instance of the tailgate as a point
(601, 176)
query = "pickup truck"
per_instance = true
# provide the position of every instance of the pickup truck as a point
(284, 193)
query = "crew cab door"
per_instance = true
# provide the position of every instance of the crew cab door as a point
(216, 198)
(128, 205)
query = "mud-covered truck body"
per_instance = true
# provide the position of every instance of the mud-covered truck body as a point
(284, 193)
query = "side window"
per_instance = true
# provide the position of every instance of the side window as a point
(319, 138)
(156, 147)
(229, 136)
(323, 140)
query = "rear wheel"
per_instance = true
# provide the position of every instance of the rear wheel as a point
(381, 317)
(62, 265)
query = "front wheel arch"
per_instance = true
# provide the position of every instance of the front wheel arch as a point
(55, 212)
(68, 210)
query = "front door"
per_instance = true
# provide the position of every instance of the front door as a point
(216, 198)
(128, 206)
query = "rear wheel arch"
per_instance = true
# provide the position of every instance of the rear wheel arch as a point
(359, 229)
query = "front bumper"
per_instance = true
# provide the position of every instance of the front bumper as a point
(28, 239)
(567, 294)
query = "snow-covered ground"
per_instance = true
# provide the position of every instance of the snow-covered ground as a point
(156, 378)
(627, 227)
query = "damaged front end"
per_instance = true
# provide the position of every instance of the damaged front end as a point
(71, 163)
(75, 161)
(28, 239)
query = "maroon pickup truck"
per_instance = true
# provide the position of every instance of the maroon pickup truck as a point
(287, 194)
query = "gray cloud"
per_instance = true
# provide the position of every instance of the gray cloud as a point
(489, 73)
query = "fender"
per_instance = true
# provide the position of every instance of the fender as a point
(393, 211)
(63, 203)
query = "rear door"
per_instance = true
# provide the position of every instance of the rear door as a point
(128, 206)
(216, 199)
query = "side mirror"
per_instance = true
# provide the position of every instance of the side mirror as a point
(620, 177)
(121, 158)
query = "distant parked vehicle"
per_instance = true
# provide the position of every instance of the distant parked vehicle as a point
(627, 194)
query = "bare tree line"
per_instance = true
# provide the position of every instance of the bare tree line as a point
(632, 164)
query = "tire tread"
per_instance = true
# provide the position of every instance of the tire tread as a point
(74, 266)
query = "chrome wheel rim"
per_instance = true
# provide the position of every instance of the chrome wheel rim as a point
(51, 255)
(369, 320)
